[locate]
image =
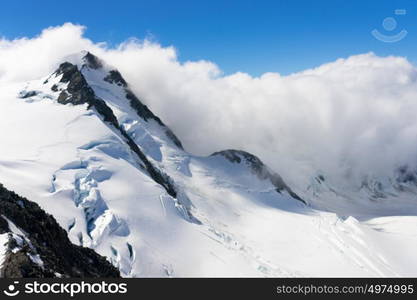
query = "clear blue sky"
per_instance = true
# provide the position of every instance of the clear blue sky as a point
(250, 36)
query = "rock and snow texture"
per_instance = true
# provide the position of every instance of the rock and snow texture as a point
(80, 144)
(32, 244)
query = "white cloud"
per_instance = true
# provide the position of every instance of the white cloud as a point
(359, 111)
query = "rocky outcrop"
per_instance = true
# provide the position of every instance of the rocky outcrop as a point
(38, 247)
(259, 168)
(114, 77)
(405, 174)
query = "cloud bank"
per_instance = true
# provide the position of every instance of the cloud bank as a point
(356, 114)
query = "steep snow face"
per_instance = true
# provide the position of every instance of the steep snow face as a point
(84, 147)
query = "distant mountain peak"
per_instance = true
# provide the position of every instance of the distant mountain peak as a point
(92, 61)
(259, 168)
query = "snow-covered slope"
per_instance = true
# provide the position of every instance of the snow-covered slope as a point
(84, 147)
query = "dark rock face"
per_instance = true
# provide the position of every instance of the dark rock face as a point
(78, 91)
(4, 226)
(405, 174)
(174, 138)
(92, 61)
(141, 109)
(27, 94)
(19, 265)
(116, 78)
(48, 240)
(258, 168)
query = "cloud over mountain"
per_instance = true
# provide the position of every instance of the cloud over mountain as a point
(355, 114)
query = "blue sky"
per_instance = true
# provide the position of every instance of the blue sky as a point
(249, 36)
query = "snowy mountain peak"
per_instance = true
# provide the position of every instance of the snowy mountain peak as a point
(92, 61)
(91, 73)
(81, 87)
